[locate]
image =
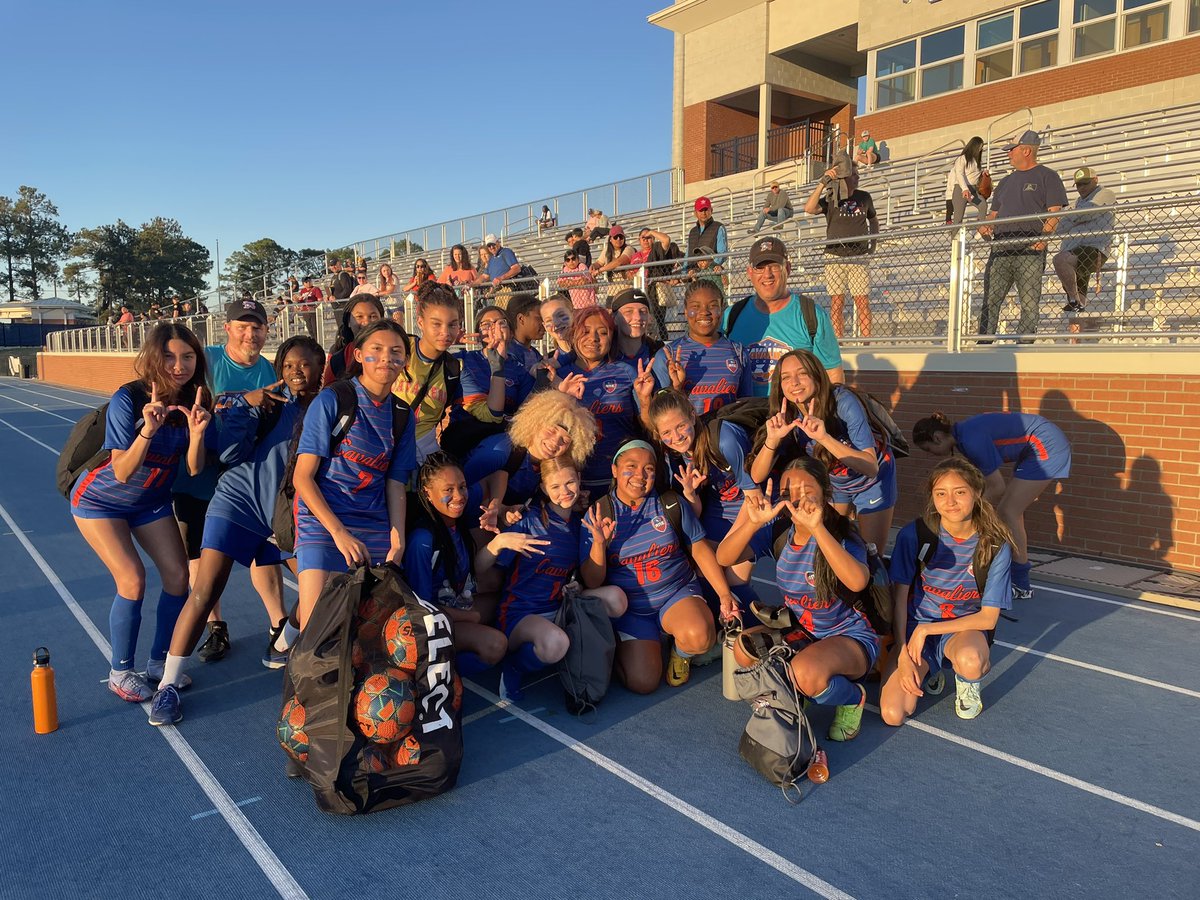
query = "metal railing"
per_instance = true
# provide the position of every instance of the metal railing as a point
(808, 137)
(987, 147)
(936, 151)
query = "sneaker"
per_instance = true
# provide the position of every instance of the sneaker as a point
(968, 703)
(1072, 306)
(936, 683)
(129, 686)
(216, 645)
(510, 685)
(154, 674)
(679, 669)
(847, 720)
(164, 709)
(272, 658)
(1020, 593)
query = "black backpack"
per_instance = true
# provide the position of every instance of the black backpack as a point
(749, 414)
(83, 449)
(283, 518)
(348, 773)
(585, 670)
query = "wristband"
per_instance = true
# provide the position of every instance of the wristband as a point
(147, 437)
(767, 446)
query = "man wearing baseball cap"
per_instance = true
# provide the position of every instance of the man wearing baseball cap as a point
(773, 320)
(707, 238)
(1086, 238)
(867, 151)
(1018, 255)
(341, 283)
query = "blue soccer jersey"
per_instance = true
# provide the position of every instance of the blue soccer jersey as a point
(1036, 445)
(946, 588)
(352, 480)
(714, 371)
(428, 569)
(534, 583)
(608, 393)
(477, 383)
(490, 456)
(853, 430)
(645, 557)
(795, 574)
(721, 495)
(99, 492)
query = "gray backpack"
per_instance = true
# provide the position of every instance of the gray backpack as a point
(586, 670)
(778, 740)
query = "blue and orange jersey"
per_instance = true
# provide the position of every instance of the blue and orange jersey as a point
(642, 354)
(714, 371)
(608, 393)
(645, 557)
(795, 573)
(477, 382)
(947, 588)
(353, 479)
(535, 583)
(148, 487)
(993, 439)
(852, 428)
(490, 456)
(721, 495)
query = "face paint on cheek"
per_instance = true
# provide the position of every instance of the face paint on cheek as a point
(691, 313)
(446, 499)
(370, 359)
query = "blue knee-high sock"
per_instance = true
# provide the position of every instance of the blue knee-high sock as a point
(169, 608)
(470, 665)
(745, 594)
(124, 620)
(840, 692)
(525, 660)
(1020, 574)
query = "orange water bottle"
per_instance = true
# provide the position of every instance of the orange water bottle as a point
(818, 769)
(45, 701)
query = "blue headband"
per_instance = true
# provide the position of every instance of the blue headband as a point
(633, 445)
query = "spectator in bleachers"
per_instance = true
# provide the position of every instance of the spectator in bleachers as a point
(596, 225)
(459, 272)
(293, 288)
(707, 234)
(578, 280)
(546, 220)
(616, 253)
(849, 220)
(309, 293)
(771, 322)
(502, 263)
(421, 274)
(385, 287)
(126, 316)
(176, 306)
(658, 254)
(1086, 238)
(867, 151)
(1019, 256)
(778, 208)
(341, 285)
(363, 285)
(576, 241)
(962, 183)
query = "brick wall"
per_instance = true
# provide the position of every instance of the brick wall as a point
(1162, 62)
(705, 124)
(1134, 491)
(104, 372)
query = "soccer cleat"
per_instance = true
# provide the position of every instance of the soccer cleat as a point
(273, 658)
(679, 669)
(968, 704)
(936, 683)
(847, 720)
(154, 674)
(1020, 593)
(165, 709)
(216, 645)
(129, 686)
(712, 654)
(510, 684)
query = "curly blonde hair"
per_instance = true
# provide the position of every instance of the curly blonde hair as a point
(546, 408)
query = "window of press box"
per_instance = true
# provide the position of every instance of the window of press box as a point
(994, 51)
(1147, 24)
(1038, 31)
(941, 62)
(1193, 16)
(1095, 27)
(895, 80)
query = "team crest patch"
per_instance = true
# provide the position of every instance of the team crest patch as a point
(732, 365)
(508, 382)
(811, 579)
(610, 386)
(659, 523)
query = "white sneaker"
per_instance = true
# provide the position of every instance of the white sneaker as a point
(129, 686)
(968, 704)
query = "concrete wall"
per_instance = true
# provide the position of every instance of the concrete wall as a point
(883, 22)
(726, 57)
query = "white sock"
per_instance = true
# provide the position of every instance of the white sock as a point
(287, 637)
(173, 670)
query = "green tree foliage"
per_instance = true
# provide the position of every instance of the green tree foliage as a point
(8, 247)
(32, 241)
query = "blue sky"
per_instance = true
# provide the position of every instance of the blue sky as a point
(318, 126)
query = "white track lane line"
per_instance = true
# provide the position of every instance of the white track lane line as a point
(98, 398)
(38, 408)
(20, 385)
(1069, 780)
(30, 436)
(704, 820)
(1161, 685)
(258, 849)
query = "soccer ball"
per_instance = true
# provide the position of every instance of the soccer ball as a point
(457, 693)
(376, 758)
(400, 642)
(385, 706)
(373, 609)
(407, 752)
(290, 731)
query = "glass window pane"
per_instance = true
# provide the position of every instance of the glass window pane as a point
(1039, 17)
(943, 45)
(1039, 53)
(1086, 10)
(1099, 37)
(994, 66)
(1194, 16)
(895, 90)
(939, 79)
(997, 31)
(896, 59)
(1134, 4)
(1146, 27)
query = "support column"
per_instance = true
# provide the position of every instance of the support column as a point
(764, 122)
(677, 114)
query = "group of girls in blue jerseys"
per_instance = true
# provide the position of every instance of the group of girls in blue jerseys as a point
(605, 466)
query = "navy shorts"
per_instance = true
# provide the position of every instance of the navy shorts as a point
(1048, 459)
(240, 544)
(646, 624)
(880, 496)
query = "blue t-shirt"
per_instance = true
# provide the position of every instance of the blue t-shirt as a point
(477, 380)
(150, 484)
(766, 338)
(534, 583)
(993, 439)
(490, 456)
(947, 589)
(714, 371)
(608, 393)
(501, 263)
(795, 573)
(353, 479)
(645, 558)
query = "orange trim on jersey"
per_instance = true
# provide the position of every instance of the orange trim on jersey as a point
(1029, 439)
(82, 486)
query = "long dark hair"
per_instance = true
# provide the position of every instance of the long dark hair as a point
(704, 455)
(973, 151)
(828, 585)
(927, 428)
(430, 518)
(466, 259)
(826, 404)
(151, 365)
(345, 335)
(988, 525)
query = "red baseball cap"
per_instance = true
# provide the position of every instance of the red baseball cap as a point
(703, 203)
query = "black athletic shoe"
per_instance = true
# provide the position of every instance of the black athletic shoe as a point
(216, 645)
(1073, 306)
(272, 658)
